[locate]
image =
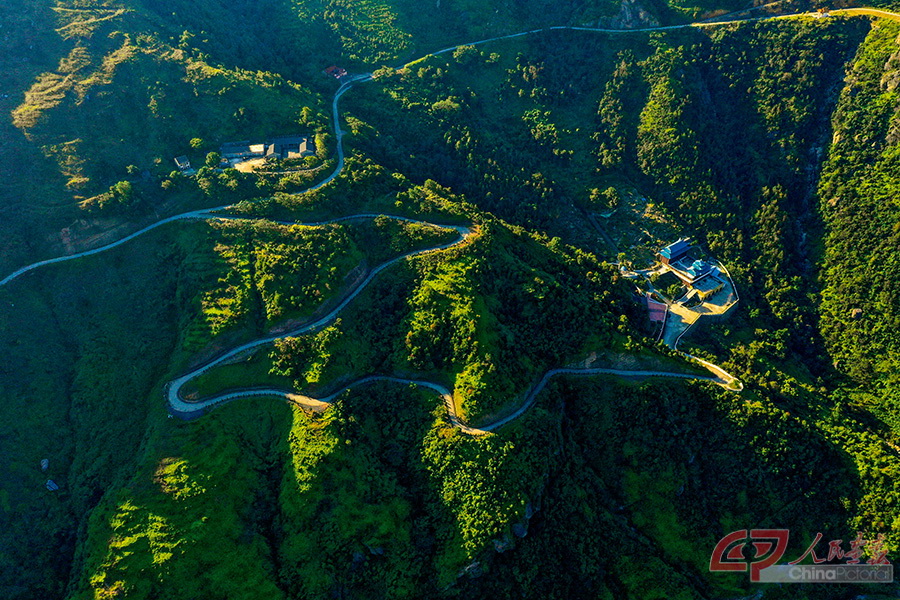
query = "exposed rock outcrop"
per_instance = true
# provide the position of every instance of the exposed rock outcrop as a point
(632, 15)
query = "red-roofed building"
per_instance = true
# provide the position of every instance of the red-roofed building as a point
(656, 310)
(335, 71)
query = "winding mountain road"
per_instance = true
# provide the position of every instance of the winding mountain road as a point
(205, 213)
(179, 406)
(186, 409)
(348, 84)
(191, 409)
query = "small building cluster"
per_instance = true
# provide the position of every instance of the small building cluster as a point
(696, 274)
(336, 72)
(281, 147)
(51, 485)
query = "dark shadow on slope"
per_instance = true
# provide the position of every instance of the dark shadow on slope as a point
(652, 476)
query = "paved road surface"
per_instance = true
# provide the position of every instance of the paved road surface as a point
(188, 410)
(179, 406)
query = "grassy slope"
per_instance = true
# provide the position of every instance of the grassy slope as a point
(22, 182)
(740, 199)
(197, 514)
(158, 507)
(123, 320)
(449, 283)
(98, 76)
(860, 318)
(118, 101)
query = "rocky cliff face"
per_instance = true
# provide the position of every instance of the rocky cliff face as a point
(632, 15)
(890, 81)
(891, 78)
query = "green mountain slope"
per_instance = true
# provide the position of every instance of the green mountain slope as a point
(771, 143)
(104, 91)
(859, 312)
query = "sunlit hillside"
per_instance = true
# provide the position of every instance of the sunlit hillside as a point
(404, 326)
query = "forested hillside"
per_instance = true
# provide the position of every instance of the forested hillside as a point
(858, 195)
(565, 155)
(102, 92)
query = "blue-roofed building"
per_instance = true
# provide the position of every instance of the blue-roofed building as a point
(674, 251)
(691, 271)
(699, 269)
(703, 278)
(708, 286)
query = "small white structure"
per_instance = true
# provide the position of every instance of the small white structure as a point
(182, 163)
